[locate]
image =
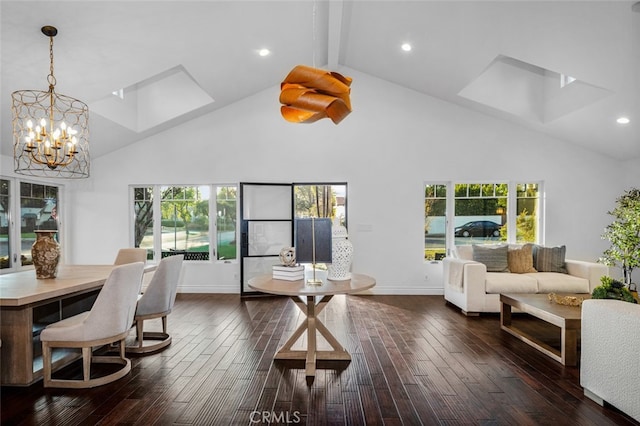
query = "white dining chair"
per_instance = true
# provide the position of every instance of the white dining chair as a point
(157, 302)
(130, 255)
(108, 321)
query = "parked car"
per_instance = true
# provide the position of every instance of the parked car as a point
(478, 228)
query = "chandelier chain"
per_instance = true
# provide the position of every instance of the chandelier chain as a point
(50, 78)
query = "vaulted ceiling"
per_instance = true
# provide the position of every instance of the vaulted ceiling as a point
(565, 68)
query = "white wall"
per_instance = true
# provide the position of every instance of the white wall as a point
(394, 141)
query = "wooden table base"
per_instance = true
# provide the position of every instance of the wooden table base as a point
(553, 314)
(312, 324)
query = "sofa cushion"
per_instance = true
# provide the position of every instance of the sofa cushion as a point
(464, 252)
(520, 260)
(549, 259)
(493, 257)
(554, 282)
(497, 282)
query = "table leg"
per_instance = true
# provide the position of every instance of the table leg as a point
(311, 337)
(569, 346)
(312, 325)
(16, 332)
(505, 315)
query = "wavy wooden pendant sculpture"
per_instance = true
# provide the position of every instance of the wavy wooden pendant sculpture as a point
(310, 94)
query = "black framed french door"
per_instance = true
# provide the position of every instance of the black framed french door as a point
(266, 227)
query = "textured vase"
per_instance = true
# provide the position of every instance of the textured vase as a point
(45, 253)
(341, 255)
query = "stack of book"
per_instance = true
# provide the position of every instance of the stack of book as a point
(288, 273)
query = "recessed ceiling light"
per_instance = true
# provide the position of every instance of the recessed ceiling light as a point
(623, 120)
(264, 52)
(406, 47)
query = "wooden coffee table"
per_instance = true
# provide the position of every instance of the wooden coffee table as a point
(568, 318)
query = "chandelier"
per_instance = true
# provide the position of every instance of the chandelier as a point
(50, 131)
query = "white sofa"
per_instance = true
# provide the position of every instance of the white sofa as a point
(610, 344)
(468, 285)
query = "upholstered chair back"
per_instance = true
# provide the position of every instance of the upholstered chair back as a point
(131, 255)
(112, 312)
(160, 295)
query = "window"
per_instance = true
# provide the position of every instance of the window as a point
(226, 208)
(38, 210)
(143, 226)
(185, 220)
(528, 208)
(38, 206)
(176, 220)
(480, 213)
(5, 216)
(320, 200)
(435, 208)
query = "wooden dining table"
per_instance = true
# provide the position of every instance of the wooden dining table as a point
(28, 304)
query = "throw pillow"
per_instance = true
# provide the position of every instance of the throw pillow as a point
(549, 259)
(494, 258)
(520, 260)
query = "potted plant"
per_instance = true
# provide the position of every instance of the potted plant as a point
(624, 235)
(612, 289)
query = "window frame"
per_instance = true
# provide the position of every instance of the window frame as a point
(15, 220)
(157, 219)
(511, 213)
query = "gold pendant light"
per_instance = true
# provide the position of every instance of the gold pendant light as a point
(50, 130)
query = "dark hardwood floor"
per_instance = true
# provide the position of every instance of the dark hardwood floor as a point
(415, 361)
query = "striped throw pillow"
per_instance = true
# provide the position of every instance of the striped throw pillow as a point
(493, 257)
(549, 259)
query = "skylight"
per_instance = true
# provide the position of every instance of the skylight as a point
(529, 91)
(153, 101)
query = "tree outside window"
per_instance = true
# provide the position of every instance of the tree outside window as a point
(185, 219)
(176, 220)
(226, 207)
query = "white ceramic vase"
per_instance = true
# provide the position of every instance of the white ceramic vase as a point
(341, 255)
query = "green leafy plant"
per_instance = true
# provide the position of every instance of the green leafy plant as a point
(612, 289)
(624, 234)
